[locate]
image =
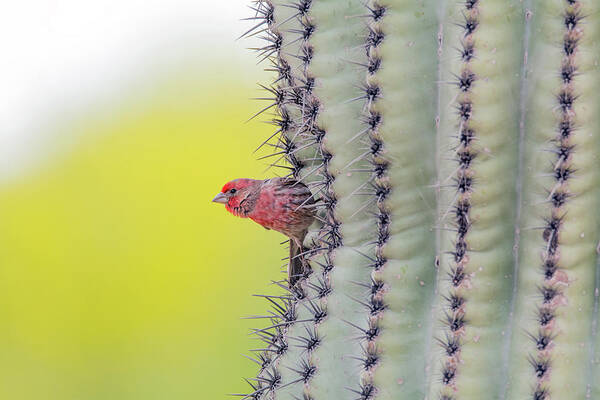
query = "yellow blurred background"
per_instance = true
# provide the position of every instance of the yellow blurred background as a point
(119, 279)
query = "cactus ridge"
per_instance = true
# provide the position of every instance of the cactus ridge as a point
(553, 277)
(294, 141)
(376, 163)
(300, 143)
(465, 153)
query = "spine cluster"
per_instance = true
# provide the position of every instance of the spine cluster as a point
(554, 278)
(465, 153)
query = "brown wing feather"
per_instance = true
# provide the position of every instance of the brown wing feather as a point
(297, 264)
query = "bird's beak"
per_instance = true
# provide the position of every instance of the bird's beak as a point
(220, 198)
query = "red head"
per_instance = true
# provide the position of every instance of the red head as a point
(235, 191)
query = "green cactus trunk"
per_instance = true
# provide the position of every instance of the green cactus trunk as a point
(454, 150)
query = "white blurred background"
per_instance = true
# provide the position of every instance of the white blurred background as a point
(60, 57)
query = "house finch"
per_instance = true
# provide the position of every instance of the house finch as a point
(282, 204)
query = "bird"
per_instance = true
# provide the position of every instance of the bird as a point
(282, 204)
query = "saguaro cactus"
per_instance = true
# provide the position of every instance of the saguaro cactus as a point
(454, 150)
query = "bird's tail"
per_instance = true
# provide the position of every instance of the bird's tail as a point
(297, 263)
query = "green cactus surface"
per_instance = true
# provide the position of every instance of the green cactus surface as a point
(453, 148)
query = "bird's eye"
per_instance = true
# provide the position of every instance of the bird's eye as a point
(232, 191)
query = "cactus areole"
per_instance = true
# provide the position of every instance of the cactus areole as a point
(453, 150)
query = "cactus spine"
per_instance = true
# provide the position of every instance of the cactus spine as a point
(454, 150)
